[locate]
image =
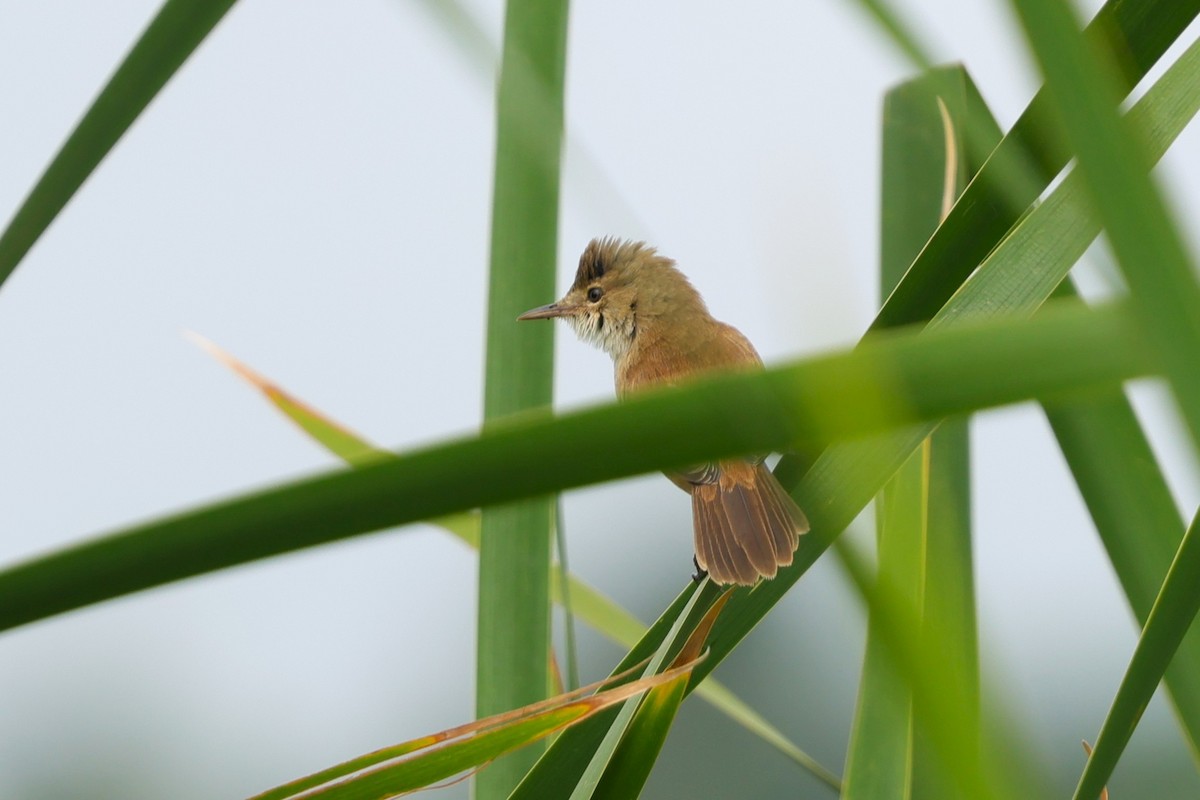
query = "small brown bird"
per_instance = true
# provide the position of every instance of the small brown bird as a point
(635, 305)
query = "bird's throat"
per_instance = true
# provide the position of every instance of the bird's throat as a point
(612, 334)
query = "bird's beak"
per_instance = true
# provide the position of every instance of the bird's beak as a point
(551, 311)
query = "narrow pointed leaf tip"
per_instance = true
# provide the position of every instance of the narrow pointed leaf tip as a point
(336, 438)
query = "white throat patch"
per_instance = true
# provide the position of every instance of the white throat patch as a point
(612, 336)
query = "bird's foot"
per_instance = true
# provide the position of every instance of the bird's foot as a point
(699, 574)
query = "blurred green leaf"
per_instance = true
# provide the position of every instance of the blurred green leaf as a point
(172, 36)
(899, 31)
(914, 648)
(560, 591)
(805, 405)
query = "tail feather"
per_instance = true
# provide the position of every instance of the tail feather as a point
(713, 553)
(750, 523)
(790, 521)
(746, 525)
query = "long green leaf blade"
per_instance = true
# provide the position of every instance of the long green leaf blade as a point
(172, 36)
(947, 598)
(880, 760)
(805, 405)
(923, 512)
(916, 159)
(513, 653)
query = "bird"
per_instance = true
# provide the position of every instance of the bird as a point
(638, 307)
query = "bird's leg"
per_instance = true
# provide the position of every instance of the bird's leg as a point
(699, 574)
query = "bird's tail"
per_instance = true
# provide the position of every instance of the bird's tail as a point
(746, 525)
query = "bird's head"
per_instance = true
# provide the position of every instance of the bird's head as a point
(622, 287)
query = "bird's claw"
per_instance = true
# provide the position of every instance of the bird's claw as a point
(699, 574)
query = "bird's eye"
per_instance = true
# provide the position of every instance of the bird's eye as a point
(595, 293)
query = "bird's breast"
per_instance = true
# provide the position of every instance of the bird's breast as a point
(654, 359)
